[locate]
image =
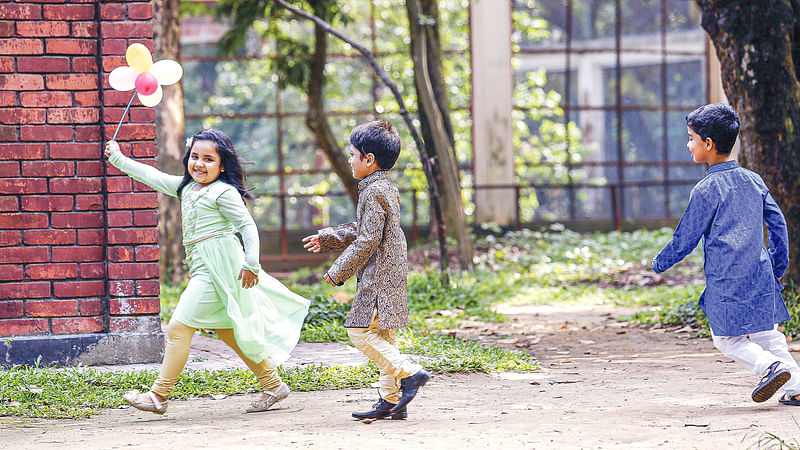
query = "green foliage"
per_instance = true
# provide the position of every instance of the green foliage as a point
(471, 292)
(681, 312)
(326, 310)
(792, 297)
(325, 331)
(169, 296)
(582, 254)
(682, 309)
(319, 377)
(79, 392)
(519, 267)
(444, 354)
(761, 438)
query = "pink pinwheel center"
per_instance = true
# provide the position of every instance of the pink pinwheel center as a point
(146, 83)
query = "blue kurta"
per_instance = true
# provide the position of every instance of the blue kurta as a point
(728, 209)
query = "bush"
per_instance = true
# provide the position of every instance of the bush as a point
(326, 310)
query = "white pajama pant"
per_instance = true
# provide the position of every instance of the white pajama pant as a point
(380, 346)
(757, 353)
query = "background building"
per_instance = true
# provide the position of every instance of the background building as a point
(567, 111)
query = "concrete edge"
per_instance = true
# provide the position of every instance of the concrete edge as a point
(83, 349)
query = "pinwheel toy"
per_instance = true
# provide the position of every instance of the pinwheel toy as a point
(144, 77)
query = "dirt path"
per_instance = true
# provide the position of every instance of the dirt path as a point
(601, 386)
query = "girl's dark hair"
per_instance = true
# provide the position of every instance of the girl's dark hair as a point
(229, 160)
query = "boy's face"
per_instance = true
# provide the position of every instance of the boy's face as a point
(701, 150)
(361, 165)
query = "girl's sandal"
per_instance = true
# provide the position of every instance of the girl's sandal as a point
(137, 400)
(272, 397)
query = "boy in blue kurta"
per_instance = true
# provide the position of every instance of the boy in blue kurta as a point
(728, 209)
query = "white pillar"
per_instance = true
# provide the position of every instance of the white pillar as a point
(492, 84)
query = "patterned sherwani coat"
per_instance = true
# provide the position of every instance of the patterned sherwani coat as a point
(375, 251)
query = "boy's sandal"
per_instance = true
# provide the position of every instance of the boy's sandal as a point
(272, 397)
(772, 381)
(135, 399)
(787, 399)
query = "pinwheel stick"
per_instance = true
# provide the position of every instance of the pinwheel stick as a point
(123, 115)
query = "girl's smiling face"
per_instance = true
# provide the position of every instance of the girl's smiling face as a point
(205, 164)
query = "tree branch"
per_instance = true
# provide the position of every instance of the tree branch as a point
(428, 164)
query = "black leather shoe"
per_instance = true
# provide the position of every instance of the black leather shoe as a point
(409, 386)
(380, 410)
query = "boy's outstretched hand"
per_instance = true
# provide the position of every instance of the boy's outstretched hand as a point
(111, 148)
(312, 243)
(249, 279)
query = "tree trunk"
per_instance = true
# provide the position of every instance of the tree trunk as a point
(428, 167)
(317, 121)
(754, 42)
(435, 118)
(170, 140)
(433, 51)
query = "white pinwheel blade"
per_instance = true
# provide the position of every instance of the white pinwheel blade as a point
(123, 78)
(151, 100)
(167, 71)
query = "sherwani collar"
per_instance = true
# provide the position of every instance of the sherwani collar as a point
(727, 165)
(371, 178)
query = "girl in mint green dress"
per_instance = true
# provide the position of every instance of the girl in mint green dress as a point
(256, 315)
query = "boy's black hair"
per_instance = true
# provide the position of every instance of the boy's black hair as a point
(229, 160)
(717, 121)
(379, 138)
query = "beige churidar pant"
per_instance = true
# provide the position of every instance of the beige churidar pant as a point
(380, 346)
(176, 353)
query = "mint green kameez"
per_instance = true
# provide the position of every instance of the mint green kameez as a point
(266, 319)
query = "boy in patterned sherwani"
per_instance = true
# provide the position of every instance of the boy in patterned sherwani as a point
(375, 251)
(728, 209)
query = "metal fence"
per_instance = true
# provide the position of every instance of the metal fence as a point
(628, 162)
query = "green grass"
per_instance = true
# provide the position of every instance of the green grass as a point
(79, 392)
(446, 354)
(761, 438)
(325, 331)
(526, 267)
(685, 310)
(592, 294)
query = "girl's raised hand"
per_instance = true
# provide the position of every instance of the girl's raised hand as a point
(249, 279)
(312, 243)
(111, 148)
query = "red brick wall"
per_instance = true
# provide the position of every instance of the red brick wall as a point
(78, 249)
